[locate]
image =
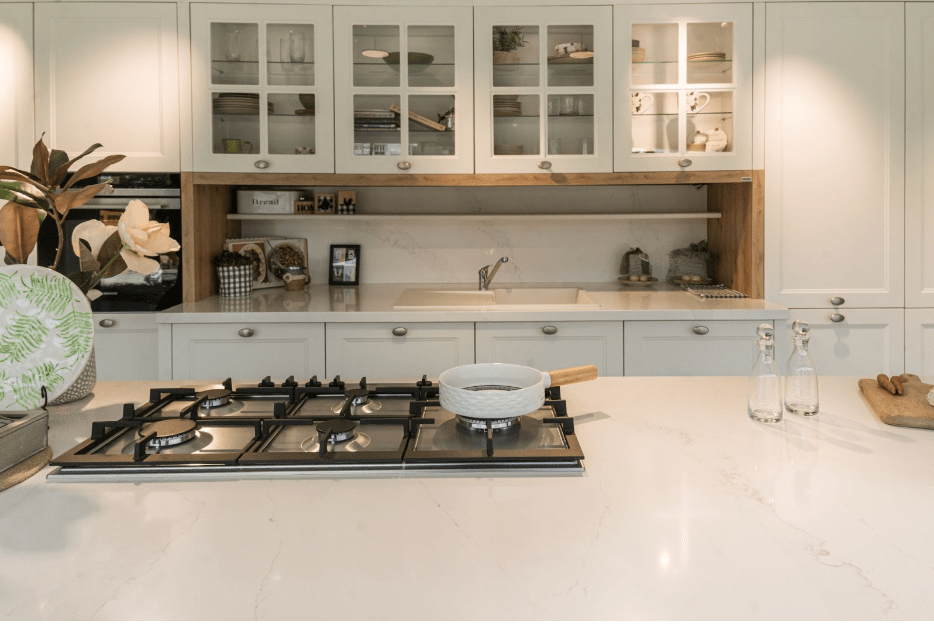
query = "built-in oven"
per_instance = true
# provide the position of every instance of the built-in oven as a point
(129, 291)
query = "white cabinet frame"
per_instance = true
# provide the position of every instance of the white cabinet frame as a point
(16, 98)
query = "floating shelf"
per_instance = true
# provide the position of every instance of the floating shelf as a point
(377, 218)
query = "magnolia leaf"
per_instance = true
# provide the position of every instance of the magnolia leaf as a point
(87, 260)
(59, 176)
(40, 161)
(8, 259)
(73, 198)
(25, 199)
(14, 176)
(19, 229)
(83, 279)
(57, 158)
(89, 171)
(112, 247)
(32, 179)
(117, 267)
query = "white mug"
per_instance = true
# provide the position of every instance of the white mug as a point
(693, 101)
(639, 103)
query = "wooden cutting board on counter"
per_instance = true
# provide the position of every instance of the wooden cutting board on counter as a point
(908, 410)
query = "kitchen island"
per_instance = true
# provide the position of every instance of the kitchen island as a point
(686, 510)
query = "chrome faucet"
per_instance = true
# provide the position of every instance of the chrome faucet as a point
(486, 273)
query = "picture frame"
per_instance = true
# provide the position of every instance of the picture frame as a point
(346, 202)
(325, 203)
(344, 265)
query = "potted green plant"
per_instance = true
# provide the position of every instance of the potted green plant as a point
(234, 274)
(505, 42)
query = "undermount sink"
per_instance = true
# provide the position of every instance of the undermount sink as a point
(496, 299)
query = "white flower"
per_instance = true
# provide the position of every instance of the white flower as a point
(143, 237)
(94, 232)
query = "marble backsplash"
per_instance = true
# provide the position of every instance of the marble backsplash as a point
(420, 247)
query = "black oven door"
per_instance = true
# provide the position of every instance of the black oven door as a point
(129, 291)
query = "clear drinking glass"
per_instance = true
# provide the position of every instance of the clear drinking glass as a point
(296, 46)
(800, 375)
(765, 383)
(233, 45)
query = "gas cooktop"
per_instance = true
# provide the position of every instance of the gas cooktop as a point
(326, 427)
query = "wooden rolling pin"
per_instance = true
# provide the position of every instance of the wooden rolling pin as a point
(576, 374)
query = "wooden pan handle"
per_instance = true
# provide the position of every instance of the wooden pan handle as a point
(577, 374)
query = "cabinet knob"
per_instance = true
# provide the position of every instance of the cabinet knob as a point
(550, 330)
(544, 165)
(837, 318)
(700, 330)
(246, 332)
(838, 301)
(399, 331)
(404, 165)
(107, 323)
(685, 162)
(261, 164)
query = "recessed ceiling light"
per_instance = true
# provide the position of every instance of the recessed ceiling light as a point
(581, 54)
(375, 53)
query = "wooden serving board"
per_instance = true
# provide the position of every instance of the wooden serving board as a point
(908, 410)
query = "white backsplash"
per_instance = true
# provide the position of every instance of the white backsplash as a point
(422, 249)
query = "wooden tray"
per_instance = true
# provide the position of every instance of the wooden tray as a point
(908, 410)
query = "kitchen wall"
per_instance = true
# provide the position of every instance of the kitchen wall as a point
(450, 249)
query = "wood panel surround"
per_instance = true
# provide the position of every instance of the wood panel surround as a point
(736, 238)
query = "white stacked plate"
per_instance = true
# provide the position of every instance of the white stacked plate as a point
(707, 56)
(506, 106)
(239, 104)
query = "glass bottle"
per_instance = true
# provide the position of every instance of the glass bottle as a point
(765, 383)
(800, 375)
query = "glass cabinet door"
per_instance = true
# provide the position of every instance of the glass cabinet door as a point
(264, 100)
(404, 90)
(683, 94)
(543, 89)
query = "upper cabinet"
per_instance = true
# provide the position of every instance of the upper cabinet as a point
(403, 89)
(262, 88)
(683, 87)
(834, 227)
(544, 89)
(919, 181)
(108, 73)
(16, 135)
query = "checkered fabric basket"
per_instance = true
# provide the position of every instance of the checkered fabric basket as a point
(235, 281)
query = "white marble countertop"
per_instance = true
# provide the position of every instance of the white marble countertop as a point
(373, 303)
(687, 510)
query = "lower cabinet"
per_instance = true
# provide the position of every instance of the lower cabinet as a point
(126, 346)
(549, 346)
(397, 351)
(919, 341)
(690, 347)
(857, 341)
(247, 351)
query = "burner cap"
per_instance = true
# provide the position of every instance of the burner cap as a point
(169, 432)
(337, 429)
(480, 424)
(214, 397)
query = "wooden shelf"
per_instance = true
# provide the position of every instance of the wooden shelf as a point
(478, 179)
(435, 218)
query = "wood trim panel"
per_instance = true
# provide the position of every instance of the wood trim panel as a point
(204, 229)
(738, 236)
(480, 179)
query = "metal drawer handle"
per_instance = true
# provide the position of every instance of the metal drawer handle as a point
(107, 323)
(399, 331)
(544, 165)
(837, 318)
(261, 164)
(700, 330)
(685, 162)
(246, 332)
(550, 330)
(838, 301)
(404, 165)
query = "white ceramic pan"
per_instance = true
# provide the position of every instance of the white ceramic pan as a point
(502, 390)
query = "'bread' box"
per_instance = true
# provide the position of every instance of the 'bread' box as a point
(267, 201)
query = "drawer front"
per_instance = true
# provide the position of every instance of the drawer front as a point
(126, 346)
(919, 341)
(399, 351)
(690, 347)
(549, 346)
(247, 351)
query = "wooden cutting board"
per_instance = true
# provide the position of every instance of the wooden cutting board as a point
(908, 410)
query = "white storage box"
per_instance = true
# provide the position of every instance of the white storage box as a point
(267, 201)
